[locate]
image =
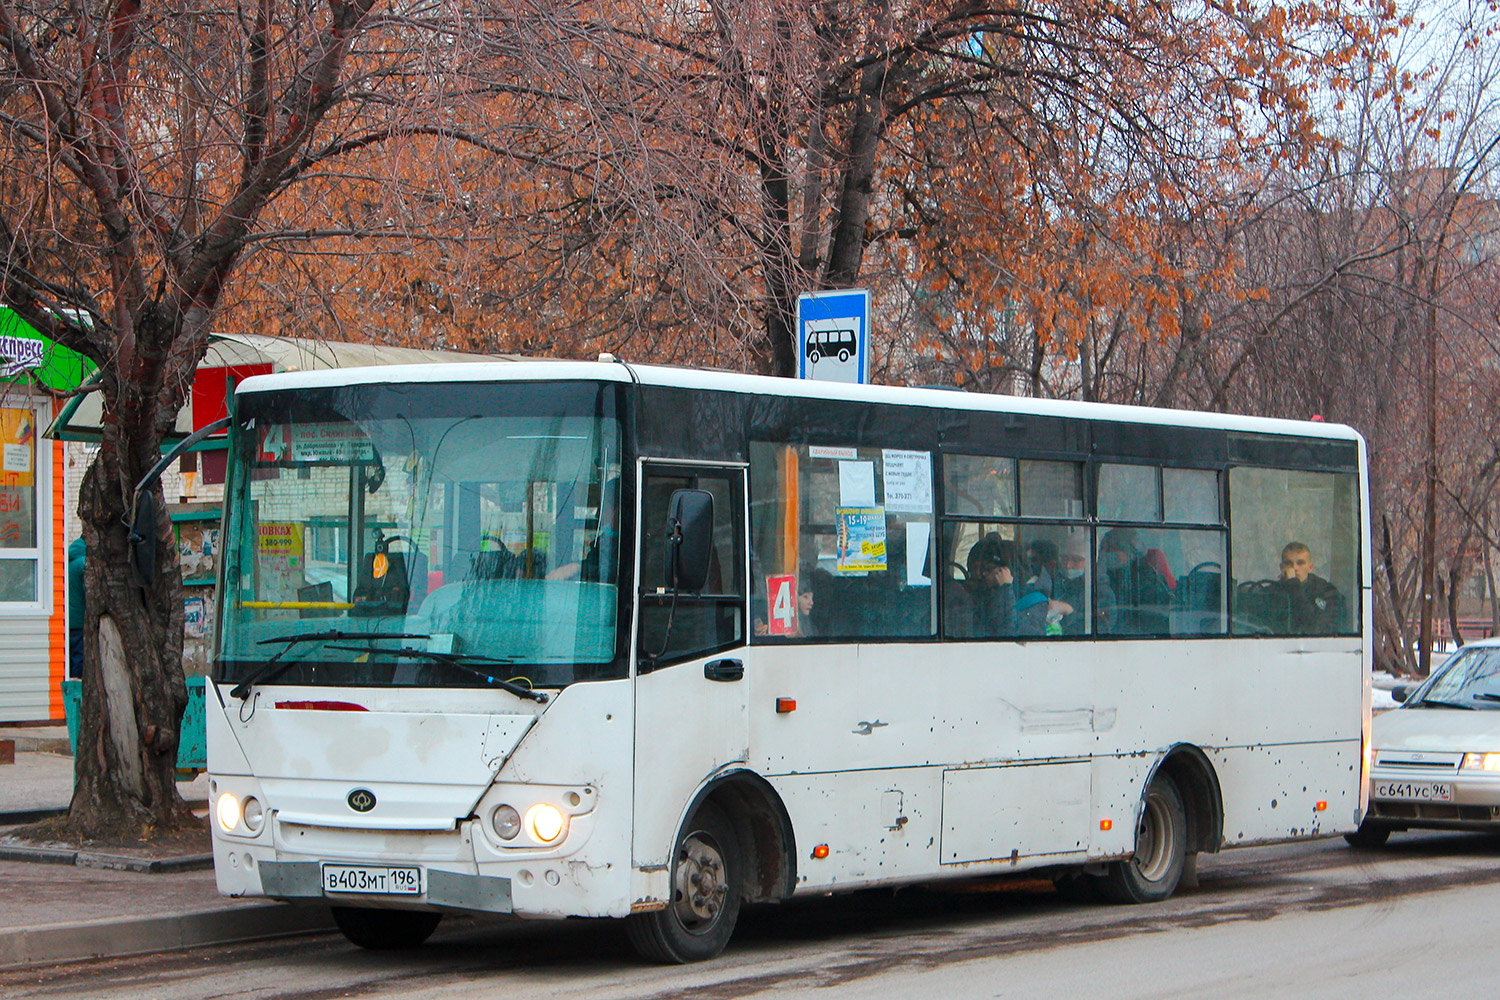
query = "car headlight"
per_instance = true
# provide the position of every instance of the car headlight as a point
(228, 812)
(546, 822)
(1481, 762)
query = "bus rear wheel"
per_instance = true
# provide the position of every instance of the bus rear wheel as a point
(1152, 873)
(706, 871)
(385, 930)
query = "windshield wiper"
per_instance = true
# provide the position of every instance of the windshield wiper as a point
(275, 666)
(1435, 703)
(464, 662)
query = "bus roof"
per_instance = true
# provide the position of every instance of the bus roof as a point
(723, 381)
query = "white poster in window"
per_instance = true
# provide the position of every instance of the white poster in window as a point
(918, 537)
(18, 458)
(908, 481)
(856, 484)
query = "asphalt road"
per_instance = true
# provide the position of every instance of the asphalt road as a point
(1315, 919)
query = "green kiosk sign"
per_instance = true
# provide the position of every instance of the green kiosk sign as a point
(26, 355)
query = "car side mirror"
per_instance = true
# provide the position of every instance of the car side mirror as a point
(1401, 692)
(690, 530)
(143, 538)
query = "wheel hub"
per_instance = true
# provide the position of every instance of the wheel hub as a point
(699, 887)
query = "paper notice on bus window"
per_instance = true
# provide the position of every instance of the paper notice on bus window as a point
(918, 536)
(861, 539)
(908, 481)
(856, 484)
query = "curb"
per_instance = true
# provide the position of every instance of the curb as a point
(96, 859)
(121, 936)
(23, 816)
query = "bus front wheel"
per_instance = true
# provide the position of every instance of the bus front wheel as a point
(1152, 873)
(385, 930)
(705, 903)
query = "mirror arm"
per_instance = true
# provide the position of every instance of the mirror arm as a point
(151, 477)
(149, 480)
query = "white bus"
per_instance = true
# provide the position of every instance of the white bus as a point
(570, 639)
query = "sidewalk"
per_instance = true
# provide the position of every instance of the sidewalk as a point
(60, 905)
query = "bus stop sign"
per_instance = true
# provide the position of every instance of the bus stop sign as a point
(833, 332)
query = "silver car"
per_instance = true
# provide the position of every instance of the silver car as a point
(1435, 760)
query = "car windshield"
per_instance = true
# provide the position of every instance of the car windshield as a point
(422, 526)
(1471, 679)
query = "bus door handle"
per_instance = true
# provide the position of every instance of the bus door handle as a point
(724, 670)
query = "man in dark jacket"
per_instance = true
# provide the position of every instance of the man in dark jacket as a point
(1312, 605)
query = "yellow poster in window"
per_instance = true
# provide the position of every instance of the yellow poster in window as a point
(18, 441)
(17, 478)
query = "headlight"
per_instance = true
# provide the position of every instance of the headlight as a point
(506, 821)
(1482, 762)
(228, 811)
(253, 814)
(546, 822)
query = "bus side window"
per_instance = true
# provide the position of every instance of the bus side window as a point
(825, 528)
(1316, 515)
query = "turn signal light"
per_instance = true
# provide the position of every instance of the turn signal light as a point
(1106, 824)
(784, 705)
(820, 852)
(1320, 806)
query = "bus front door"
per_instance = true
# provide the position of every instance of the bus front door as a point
(690, 699)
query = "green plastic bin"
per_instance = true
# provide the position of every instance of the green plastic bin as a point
(192, 748)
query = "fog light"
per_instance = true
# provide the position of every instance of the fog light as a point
(253, 814)
(506, 821)
(228, 812)
(545, 822)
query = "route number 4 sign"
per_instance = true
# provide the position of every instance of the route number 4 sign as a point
(781, 597)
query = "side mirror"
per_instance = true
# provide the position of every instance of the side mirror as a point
(690, 531)
(143, 537)
(1401, 692)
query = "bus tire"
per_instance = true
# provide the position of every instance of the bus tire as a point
(1368, 835)
(1151, 874)
(705, 883)
(385, 930)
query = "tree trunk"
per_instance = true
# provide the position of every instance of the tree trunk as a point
(1393, 582)
(134, 692)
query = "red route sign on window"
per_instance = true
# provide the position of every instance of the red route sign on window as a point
(781, 598)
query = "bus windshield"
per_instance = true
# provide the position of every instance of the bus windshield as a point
(439, 535)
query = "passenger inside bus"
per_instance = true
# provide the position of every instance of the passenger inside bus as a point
(597, 564)
(990, 585)
(1309, 604)
(1070, 584)
(1135, 587)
